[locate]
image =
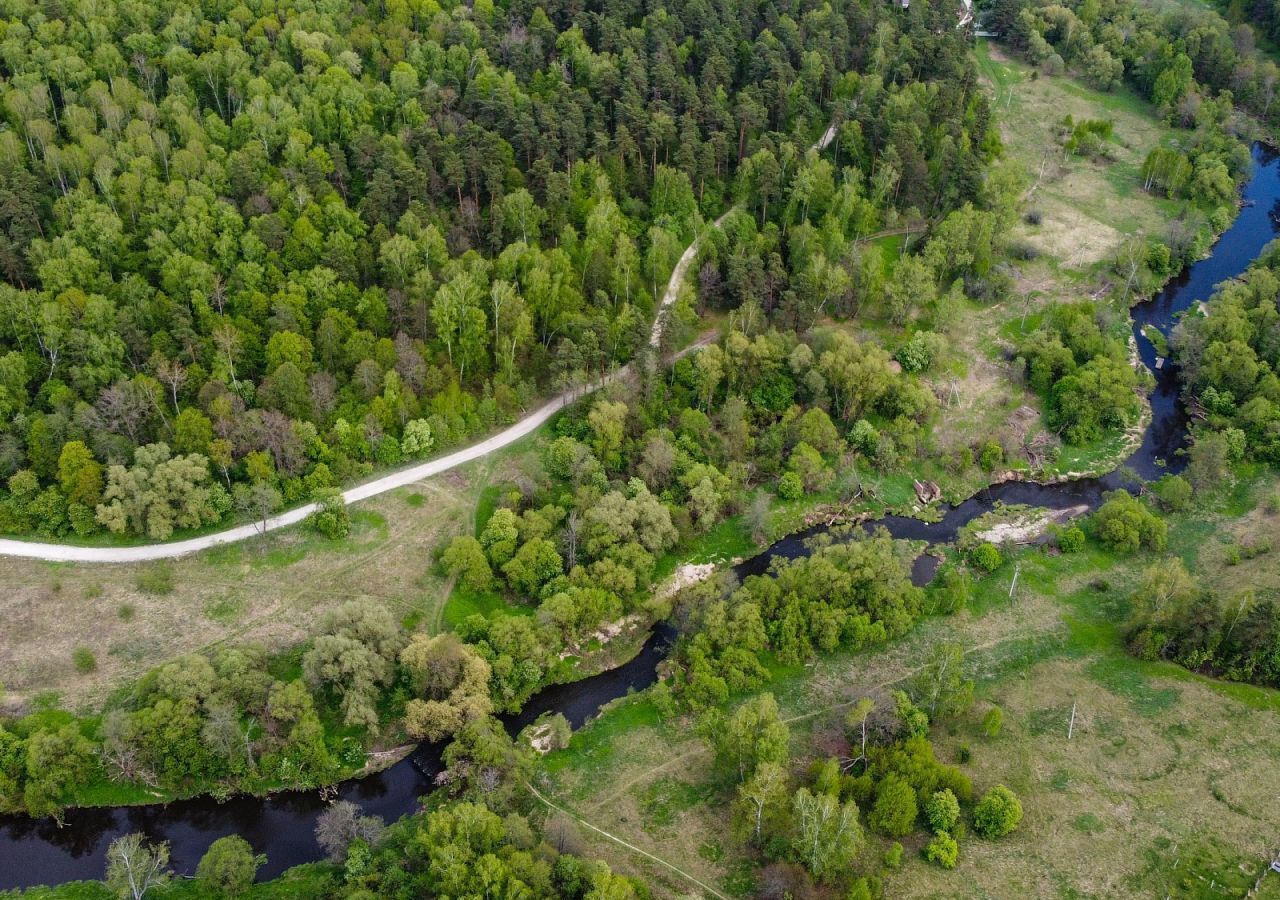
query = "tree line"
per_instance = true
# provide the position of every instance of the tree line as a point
(1230, 358)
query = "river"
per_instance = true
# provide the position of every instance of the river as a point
(34, 852)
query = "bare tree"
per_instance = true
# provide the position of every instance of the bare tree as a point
(571, 526)
(134, 866)
(174, 374)
(124, 408)
(341, 825)
(857, 718)
(259, 498)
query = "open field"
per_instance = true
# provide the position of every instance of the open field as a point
(1088, 208)
(271, 591)
(1165, 787)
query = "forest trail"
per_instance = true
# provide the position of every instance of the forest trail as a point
(402, 478)
(690, 252)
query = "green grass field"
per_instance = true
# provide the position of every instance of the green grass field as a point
(1162, 766)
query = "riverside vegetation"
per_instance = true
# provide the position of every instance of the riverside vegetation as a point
(158, 382)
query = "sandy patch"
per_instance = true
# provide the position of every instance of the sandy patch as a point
(1027, 529)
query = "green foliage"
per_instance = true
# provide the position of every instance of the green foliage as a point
(84, 660)
(850, 594)
(919, 353)
(465, 559)
(828, 834)
(986, 557)
(1070, 539)
(953, 590)
(1173, 492)
(161, 493)
(998, 812)
(915, 721)
(1083, 372)
(894, 813)
(321, 271)
(893, 856)
(1126, 524)
(135, 867)
(331, 518)
(1089, 137)
(942, 811)
(353, 657)
(1231, 636)
(991, 455)
(942, 850)
(753, 735)
(228, 867)
(940, 688)
(992, 722)
(790, 486)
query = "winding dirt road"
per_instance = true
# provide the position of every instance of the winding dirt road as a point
(401, 478)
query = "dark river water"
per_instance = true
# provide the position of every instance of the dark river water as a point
(37, 851)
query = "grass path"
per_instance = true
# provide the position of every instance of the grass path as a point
(617, 840)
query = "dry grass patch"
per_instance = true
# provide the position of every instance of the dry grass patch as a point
(1159, 795)
(272, 591)
(1087, 208)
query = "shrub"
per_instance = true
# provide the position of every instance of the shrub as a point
(942, 810)
(156, 579)
(943, 850)
(919, 353)
(986, 557)
(864, 437)
(229, 866)
(895, 811)
(992, 721)
(331, 518)
(865, 888)
(84, 660)
(991, 455)
(954, 591)
(790, 487)
(1024, 250)
(1033, 217)
(417, 440)
(1071, 540)
(997, 813)
(125, 612)
(1173, 492)
(893, 856)
(1124, 523)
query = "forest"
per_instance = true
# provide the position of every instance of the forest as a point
(254, 253)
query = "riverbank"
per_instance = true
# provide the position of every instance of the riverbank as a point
(1127, 786)
(911, 528)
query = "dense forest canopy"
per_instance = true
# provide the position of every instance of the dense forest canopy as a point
(253, 250)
